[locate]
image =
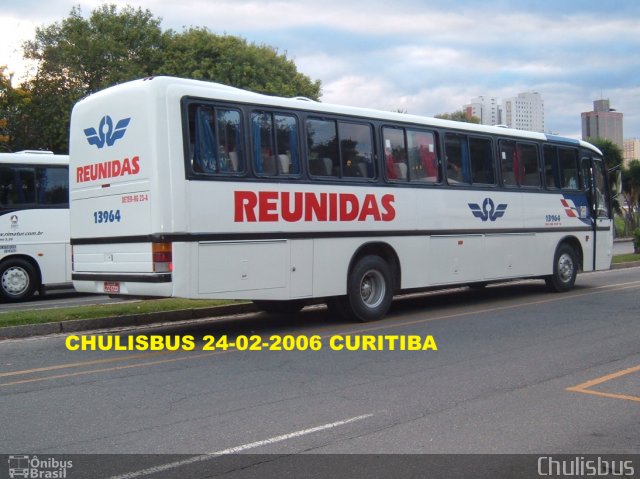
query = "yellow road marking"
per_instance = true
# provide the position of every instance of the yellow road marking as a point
(606, 395)
(81, 363)
(115, 368)
(584, 387)
(608, 377)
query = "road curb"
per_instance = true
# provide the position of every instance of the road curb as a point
(78, 325)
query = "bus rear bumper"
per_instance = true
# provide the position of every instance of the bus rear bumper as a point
(145, 284)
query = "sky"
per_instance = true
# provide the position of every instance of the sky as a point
(423, 57)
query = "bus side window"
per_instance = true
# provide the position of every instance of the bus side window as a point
(509, 163)
(551, 172)
(275, 144)
(423, 158)
(356, 150)
(458, 161)
(286, 130)
(215, 140)
(530, 172)
(52, 185)
(263, 149)
(6, 186)
(395, 153)
(203, 140)
(322, 140)
(568, 163)
(230, 158)
(481, 160)
(17, 186)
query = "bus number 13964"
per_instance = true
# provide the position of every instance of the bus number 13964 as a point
(105, 216)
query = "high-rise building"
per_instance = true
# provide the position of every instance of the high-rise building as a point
(524, 112)
(484, 108)
(603, 122)
(631, 150)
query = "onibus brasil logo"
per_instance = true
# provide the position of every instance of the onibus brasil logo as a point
(107, 133)
(32, 466)
(488, 211)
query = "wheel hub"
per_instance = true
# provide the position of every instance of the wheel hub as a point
(15, 280)
(565, 268)
(372, 288)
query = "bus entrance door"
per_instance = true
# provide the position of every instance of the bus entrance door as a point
(597, 188)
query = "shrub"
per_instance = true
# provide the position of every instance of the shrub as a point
(636, 240)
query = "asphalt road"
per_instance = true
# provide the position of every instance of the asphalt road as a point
(517, 370)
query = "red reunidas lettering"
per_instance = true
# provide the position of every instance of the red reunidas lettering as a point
(268, 210)
(272, 206)
(389, 210)
(108, 169)
(245, 206)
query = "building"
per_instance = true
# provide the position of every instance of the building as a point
(484, 108)
(603, 122)
(524, 112)
(631, 150)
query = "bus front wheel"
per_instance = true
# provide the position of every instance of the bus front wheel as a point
(565, 269)
(18, 279)
(369, 289)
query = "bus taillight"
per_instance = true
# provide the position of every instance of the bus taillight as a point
(162, 257)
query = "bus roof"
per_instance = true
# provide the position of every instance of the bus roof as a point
(204, 89)
(34, 157)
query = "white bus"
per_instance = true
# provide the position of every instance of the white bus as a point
(198, 190)
(34, 223)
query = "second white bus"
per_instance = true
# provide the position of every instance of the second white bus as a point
(199, 190)
(34, 223)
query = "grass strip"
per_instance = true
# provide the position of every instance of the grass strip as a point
(625, 258)
(16, 318)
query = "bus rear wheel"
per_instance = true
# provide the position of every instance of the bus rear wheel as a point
(280, 307)
(565, 269)
(369, 289)
(18, 279)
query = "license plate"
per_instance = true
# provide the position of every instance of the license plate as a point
(111, 287)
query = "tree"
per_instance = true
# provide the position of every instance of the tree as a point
(80, 56)
(610, 151)
(13, 102)
(631, 194)
(459, 115)
(197, 53)
(87, 55)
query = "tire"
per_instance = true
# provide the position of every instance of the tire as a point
(369, 289)
(280, 307)
(565, 269)
(18, 280)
